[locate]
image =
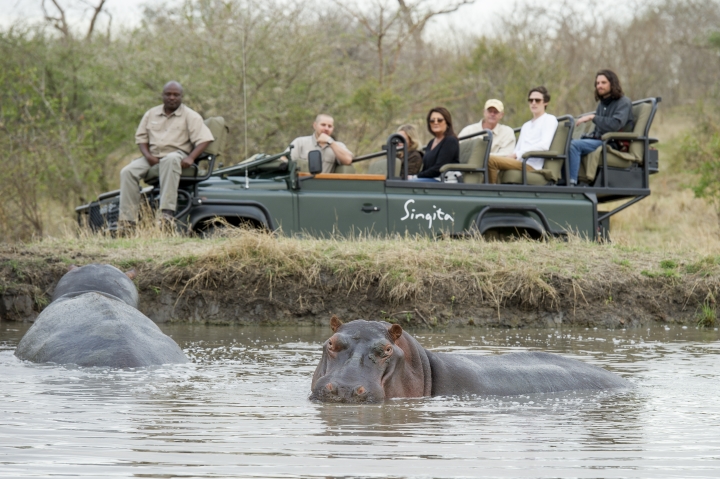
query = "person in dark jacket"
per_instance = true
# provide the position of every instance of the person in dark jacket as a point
(613, 113)
(443, 149)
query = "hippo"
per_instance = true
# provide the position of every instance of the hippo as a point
(369, 361)
(93, 320)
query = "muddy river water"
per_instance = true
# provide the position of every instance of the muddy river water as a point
(240, 409)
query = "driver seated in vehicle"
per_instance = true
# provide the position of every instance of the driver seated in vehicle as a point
(333, 152)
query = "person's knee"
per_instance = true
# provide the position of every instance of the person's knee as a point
(126, 173)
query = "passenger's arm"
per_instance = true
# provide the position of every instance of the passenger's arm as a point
(342, 154)
(548, 133)
(142, 139)
(197, 151)
(145, 151)
(617, 120)
(505, 142)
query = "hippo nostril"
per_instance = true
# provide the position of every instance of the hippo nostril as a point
(359, 390)
(331, 388)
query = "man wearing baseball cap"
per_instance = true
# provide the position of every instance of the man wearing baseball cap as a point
(503, 142)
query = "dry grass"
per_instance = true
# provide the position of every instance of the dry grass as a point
(399, 269)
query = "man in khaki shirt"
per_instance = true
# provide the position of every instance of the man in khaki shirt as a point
(503, 142)
(171, 135)
(333, 152)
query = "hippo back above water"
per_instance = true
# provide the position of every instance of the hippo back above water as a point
(368, 361)
(93, 321)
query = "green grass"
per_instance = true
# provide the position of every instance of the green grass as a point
(181, 261)
(706, 317)
(668, 264)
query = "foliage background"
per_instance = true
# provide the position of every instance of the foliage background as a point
(71, 97)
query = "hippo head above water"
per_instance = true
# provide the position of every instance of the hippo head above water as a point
(99, 278)
(366, 361)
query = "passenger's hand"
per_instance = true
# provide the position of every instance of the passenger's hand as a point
(412, 177)
(584, 119)
(187, 162)
(152, 160)
(323, 138)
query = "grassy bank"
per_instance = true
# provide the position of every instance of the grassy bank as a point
(247, 276)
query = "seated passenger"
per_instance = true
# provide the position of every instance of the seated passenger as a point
(443, 149)
(503, 141)
(333, 152)
(535, 135)
(613, 113)
(415, 157)
(171, 135)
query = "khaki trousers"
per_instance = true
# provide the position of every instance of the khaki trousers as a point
(497, 163)
(130, 176)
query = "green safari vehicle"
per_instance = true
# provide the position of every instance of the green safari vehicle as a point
(293, 198)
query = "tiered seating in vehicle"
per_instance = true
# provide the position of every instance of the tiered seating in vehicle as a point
(554, 159)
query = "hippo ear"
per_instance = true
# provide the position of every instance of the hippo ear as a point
(131, 274)
(72, 267)
(335, 323)
(395, 332)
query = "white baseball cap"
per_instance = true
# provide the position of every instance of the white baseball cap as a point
(495, 103)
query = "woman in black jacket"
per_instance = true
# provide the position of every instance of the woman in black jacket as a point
(443, 149)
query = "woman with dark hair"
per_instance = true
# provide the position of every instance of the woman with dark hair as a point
(443, 149)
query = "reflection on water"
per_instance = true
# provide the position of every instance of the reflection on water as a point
(240, 409)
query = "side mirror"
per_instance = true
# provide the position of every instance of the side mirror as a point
(315, 162)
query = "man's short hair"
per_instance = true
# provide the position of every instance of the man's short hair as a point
(317, 118)
(176, 83)
(543, 91)
(616, 90)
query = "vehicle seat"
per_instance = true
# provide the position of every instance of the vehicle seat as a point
(379, 167)
(345, 169)
(205, 163)
(554, 158)
(474, 153)
(590, 163)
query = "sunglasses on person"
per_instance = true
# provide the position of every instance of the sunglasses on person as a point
(436, 120)
(535, 100)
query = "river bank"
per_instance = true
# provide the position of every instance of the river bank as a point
(252, 278)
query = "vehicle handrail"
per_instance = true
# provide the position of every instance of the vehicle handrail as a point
(369, 156)
(230, 170)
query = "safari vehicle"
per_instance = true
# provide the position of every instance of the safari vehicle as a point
(294, 198)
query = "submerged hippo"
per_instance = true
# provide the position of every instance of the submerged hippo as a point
(368, 361)
(93, 321)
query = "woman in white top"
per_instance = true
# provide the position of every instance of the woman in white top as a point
(535, 135)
